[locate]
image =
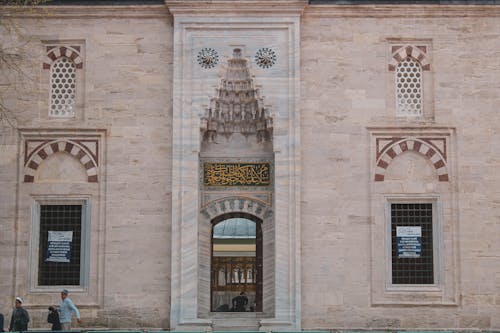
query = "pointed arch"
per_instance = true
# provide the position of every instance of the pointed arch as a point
(416, 145)
(402, 52)
(248, 264)
(67, 146)
(247, 207)
(236, 205)
(54, 53)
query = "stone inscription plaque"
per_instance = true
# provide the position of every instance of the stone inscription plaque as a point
(236, 174)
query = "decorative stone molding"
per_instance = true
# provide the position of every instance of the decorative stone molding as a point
(236, 204)
(55, 52)
(236, 8)
(401, 52)
(87, 11)
(36, 151)
(433, 149)
(265, 197)
(404, 11)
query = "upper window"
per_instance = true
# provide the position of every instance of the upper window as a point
(409, 88)
(63, 73)
(410, 79)
(62, 88)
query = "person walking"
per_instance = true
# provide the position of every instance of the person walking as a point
(67, 308)
(1, 322)
(20, 317)
(53, 318)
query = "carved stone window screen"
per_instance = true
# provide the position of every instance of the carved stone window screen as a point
(409, 88)
(62, 88)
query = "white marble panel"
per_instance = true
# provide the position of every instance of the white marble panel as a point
(193, 88)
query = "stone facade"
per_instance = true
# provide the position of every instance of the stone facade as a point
(342, 153)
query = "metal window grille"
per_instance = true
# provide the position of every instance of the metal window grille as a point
(418, 270)
(60, 218)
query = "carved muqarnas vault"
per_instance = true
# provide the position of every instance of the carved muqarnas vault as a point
(237, 107)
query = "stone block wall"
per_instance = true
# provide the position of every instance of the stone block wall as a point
(347, 93)
(125, 102)
(347, 106)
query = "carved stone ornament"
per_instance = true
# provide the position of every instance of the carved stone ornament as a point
(265, 57)
(207, 58)
(237, 107)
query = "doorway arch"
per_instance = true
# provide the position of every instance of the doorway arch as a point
(257, 212)
(236, 263)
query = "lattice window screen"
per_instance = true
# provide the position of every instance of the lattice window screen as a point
(409, 88)
(62, 88)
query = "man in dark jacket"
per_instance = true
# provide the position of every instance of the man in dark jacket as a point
(53, 318)
(20, 317)
(240, 302)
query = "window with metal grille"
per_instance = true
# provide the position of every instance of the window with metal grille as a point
(412, 243)
(409, 88)
(62, 88)
(60, 245)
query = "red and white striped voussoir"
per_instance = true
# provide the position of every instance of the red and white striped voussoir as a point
(53, 147)
(63, 51)
(418, 146)
(412, 52)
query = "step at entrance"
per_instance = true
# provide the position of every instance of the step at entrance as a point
(246, 325)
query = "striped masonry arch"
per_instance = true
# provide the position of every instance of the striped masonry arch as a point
(70, 52)
(415, 145)
(236, 204)
(66, 146)
(400, 53)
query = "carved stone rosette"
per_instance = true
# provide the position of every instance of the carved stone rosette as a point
(237, 107)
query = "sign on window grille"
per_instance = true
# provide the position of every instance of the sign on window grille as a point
(409, 240)
(59, 246)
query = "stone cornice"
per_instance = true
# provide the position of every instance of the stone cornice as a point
(251, 7)
(149, 11)
(402, 11)
(410, 128)
(236, 8)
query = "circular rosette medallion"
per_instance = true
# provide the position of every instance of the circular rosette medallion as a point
(207, 58)
(265, 57)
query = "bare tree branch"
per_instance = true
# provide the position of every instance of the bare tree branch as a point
(13, 57)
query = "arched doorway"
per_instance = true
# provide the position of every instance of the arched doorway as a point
(236, 263)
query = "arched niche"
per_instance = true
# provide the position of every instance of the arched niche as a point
(223, 210)
(236, 263)
(213, 128)
(62, 148)
(61, 167)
